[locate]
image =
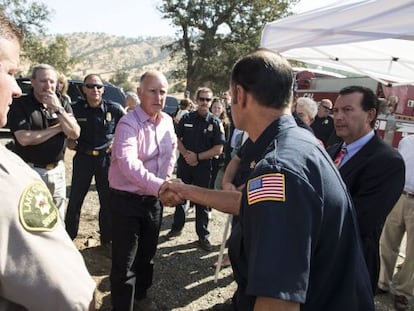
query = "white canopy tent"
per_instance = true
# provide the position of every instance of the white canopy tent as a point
(369, 37)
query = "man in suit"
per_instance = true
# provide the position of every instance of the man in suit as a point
(372, 170)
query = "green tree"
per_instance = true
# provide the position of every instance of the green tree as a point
(32, 16)
(215, 33)
(55, 53)
(121, 79)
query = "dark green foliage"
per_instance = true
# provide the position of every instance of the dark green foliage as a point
(214, 34)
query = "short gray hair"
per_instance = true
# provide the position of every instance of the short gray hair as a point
(309, 105)
(43, 67)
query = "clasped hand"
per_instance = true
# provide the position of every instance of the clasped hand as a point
(169, 192)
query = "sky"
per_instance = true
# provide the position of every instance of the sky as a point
(129, 18)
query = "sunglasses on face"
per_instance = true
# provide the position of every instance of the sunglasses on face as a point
(92, 85)
(205, 99)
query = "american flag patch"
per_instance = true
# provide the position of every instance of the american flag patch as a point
(269, 187)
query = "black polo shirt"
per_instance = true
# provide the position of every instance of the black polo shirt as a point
(297, 237)
(26, 113)
(97, 123)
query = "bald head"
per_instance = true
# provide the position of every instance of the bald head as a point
(153, 74)
(152, 92)
(324, 108)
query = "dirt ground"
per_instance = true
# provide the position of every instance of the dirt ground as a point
(183, 277)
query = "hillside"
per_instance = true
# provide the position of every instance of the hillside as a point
(105, 54)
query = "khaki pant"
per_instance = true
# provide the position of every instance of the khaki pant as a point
(399, 221)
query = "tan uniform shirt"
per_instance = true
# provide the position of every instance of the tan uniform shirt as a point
(40, 267)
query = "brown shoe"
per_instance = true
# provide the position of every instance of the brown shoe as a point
(400, 303)
(145, 304)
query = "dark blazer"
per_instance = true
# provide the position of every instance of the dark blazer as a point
(375, 178)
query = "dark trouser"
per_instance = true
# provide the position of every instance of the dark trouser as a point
(195, 175)
(370, 246)
(216, 164)
(84, 168)
(136, 223)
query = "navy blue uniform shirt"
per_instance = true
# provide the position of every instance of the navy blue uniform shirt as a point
(97, 123)
(200, 133)
(297, 238)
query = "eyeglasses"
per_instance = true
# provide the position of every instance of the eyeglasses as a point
(326, 107)
(92, 85)
(204, 99)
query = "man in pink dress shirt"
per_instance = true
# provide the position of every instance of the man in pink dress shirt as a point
(143, 157)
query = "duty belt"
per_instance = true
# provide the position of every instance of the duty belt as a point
(93, 152)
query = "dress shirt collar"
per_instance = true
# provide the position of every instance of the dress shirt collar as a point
(144, 117)
(355, 146)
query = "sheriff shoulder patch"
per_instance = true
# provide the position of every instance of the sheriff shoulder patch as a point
(268, 187)
(37, 211)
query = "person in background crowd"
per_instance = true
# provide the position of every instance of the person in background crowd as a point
(226, 99)
(392, 104)
(200, 138)
(143, 156)
(62, 88)
(282, 261)
(217, 163)
(41, 269)
(131, 101)
(400, 221)
(391, 124)
(323, 125)
(41, 122)
(97, 118)
(372, 170)
(306, 109)
(186, 105)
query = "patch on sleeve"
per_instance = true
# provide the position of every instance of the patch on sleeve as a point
(221, 128)
(37, 211)
(268, 187)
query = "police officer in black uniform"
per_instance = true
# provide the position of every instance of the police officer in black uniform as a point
(200, 138)
(297, 244)
(41, 122)
(97, 118)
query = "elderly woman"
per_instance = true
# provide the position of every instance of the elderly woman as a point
(307, 109)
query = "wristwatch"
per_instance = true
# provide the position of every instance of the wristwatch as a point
(60, 110)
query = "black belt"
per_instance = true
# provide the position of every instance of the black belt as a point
(408, 194)
(48, 166)
(142, 198)
(93, 152)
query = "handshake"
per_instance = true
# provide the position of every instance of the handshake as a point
(172, 192)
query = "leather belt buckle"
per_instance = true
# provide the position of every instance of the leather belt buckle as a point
(95, 153)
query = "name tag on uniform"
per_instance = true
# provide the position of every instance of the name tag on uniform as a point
(81, 119)
(188, 125)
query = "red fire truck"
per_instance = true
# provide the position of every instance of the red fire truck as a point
(392, 127)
